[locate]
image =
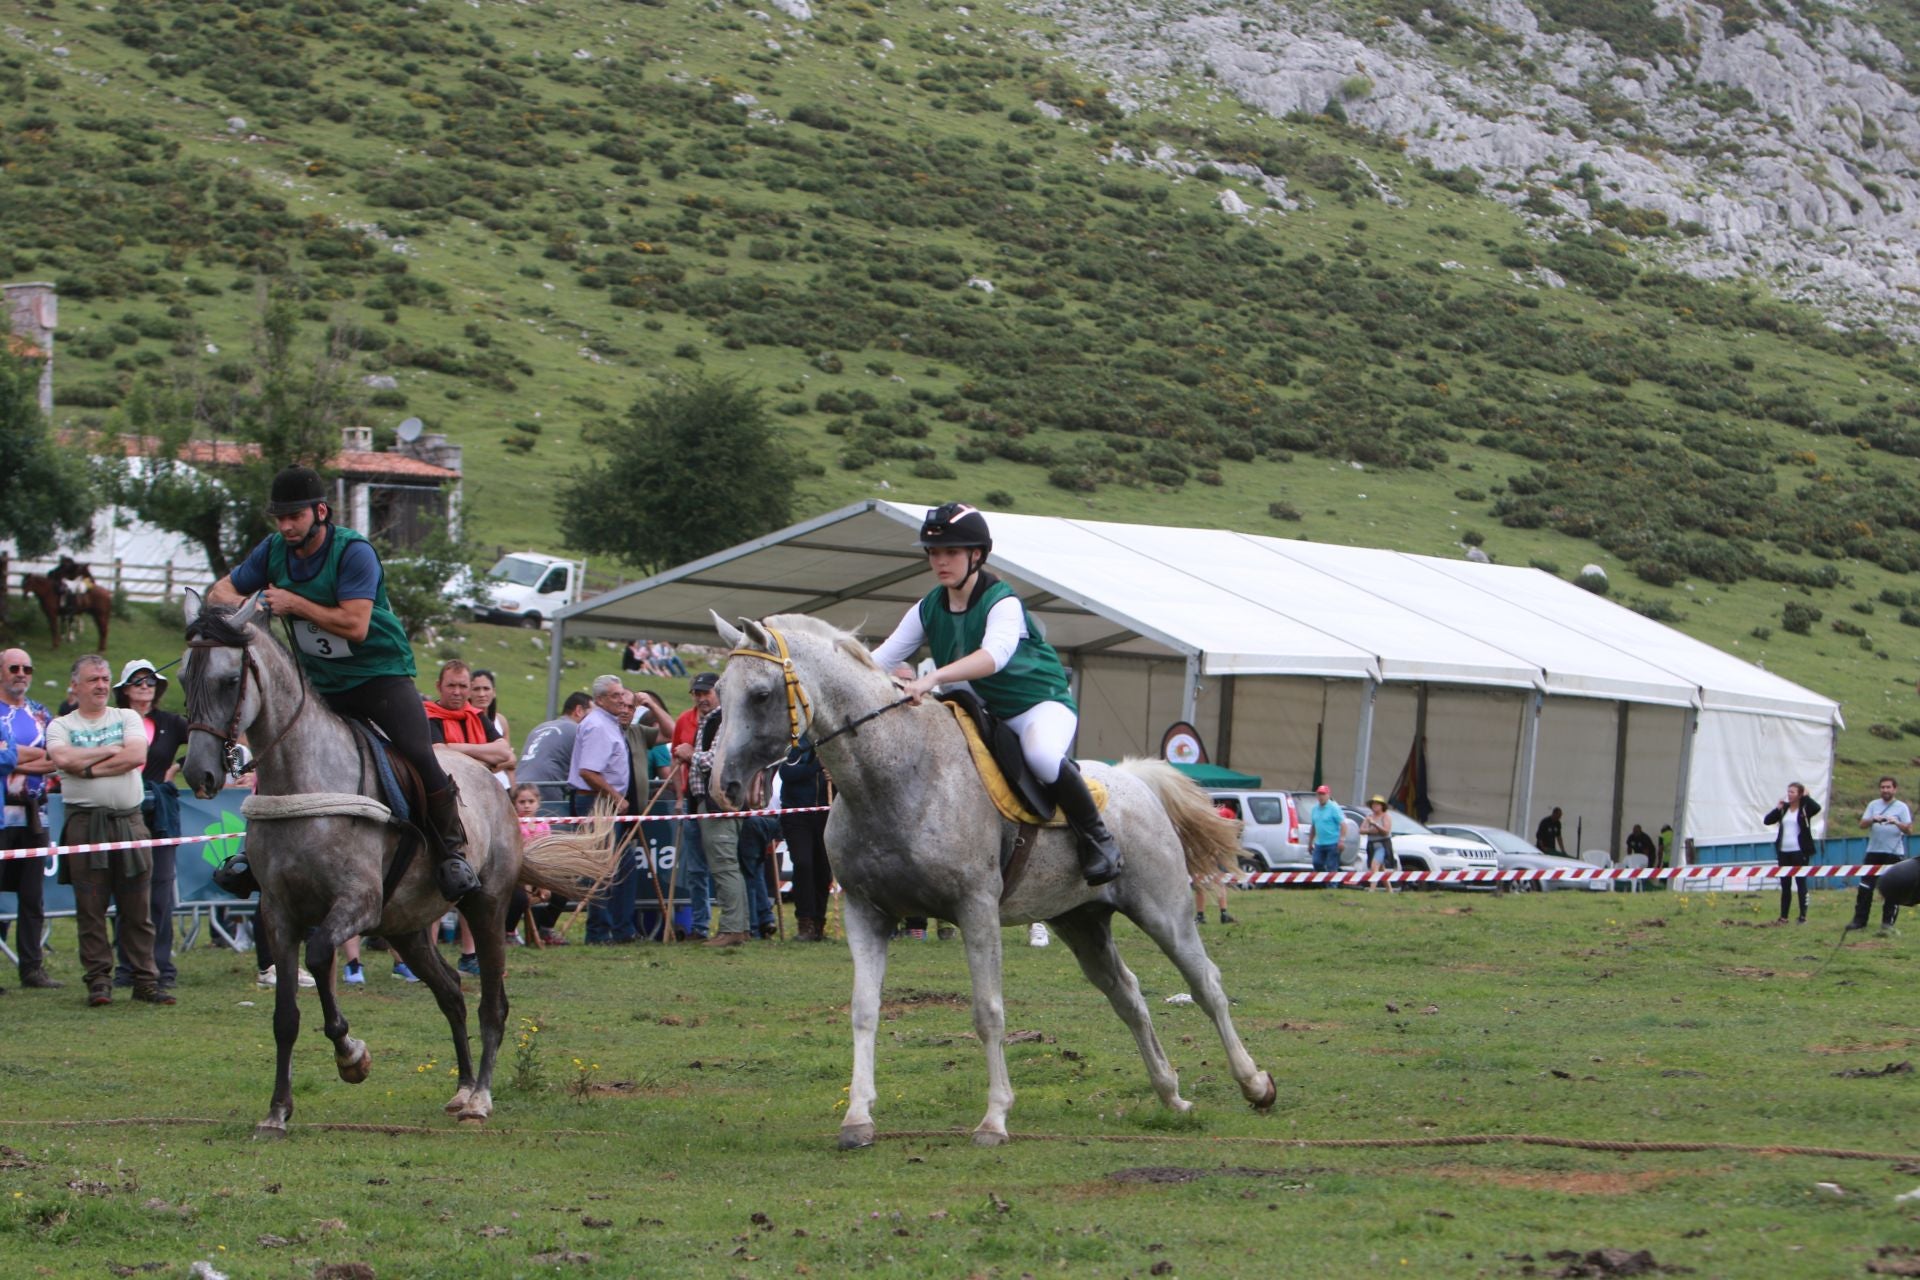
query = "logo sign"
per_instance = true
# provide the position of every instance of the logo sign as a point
(1181, 744)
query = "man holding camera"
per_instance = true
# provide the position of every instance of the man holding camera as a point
(24, 767)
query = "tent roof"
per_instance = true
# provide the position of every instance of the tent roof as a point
(1242, 604)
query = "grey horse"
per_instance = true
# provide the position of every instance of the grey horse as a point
(914, 833)
(321, 876)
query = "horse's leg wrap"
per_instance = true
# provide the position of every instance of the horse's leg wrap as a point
(451, 872)
(1099, 852)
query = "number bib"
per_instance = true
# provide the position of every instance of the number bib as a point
(319, 644)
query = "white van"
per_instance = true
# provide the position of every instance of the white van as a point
(527, 588)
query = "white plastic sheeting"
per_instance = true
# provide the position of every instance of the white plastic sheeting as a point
(1261, 641)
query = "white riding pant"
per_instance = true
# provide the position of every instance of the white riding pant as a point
(1046, 732)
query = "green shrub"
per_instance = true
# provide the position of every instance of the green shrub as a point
(1799, 618)
(1283, 511)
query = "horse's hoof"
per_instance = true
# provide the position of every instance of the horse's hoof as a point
(357, 1069)
(458, 1102)
(1265, 1101)
(270, 1130)
(855, 1136)
(1179, 1106)
(988, 1138)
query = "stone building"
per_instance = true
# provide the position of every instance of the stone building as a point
(33, 312)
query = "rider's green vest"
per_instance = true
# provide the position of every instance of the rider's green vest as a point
(1032, 676)
(335, 665)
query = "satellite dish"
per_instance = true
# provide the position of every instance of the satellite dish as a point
(409, 430)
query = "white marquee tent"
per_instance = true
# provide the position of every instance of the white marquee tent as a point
(1530, 692)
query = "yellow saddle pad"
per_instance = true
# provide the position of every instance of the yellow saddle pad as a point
(1009, 804)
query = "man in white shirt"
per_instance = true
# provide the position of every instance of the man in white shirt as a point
(1888, 822)
(99, 751)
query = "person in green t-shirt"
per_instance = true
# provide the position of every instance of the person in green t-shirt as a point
(328, 583)
(979, 632)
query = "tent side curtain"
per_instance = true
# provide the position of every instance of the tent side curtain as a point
(1742, 765)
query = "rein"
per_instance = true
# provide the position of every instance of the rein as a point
(229, 739)
(798, 704)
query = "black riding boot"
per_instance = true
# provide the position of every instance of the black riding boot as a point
(1099, 853)
(1862, 907)
(451, 871)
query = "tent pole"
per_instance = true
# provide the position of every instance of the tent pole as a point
(1363, 740)
(1689, 730)
(1190, 696)
(1522, 808)
(1223, 737)
(1619, 776)
(554, 664)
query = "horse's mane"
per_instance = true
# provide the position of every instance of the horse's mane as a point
(214, 623)
(821, 629)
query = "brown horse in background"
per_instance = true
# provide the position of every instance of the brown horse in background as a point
(96, 601)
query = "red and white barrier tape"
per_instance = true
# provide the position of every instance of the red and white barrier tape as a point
(62, 850)
(1710, 871)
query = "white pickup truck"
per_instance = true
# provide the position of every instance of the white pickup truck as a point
(527, 588)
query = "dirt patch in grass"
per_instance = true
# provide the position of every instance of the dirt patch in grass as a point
(1749, 971)
(1890, 1046)
(907, 1001)
(1565, 1182)
(1290, 1024)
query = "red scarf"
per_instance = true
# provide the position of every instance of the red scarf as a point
(458, 726)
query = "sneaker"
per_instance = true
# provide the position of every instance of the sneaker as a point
(945, 933)
(1037, 935)
(154, 995)
(100, 993)
(1226, 918)
(353, 975)
(268, 978)
(1199, 917)
(403, 973)
(38, 978)
(470, 963)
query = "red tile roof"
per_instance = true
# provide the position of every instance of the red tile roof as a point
(353, 463)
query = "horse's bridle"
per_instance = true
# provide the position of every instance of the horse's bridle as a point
(230, 738)
(798, 704)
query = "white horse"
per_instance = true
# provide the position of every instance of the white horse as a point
(913, 832)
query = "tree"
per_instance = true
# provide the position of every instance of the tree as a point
(281, 408)
(693, 469)
(429, 585)
(45, 499)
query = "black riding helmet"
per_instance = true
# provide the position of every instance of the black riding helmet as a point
(294, 490)
(955, 525)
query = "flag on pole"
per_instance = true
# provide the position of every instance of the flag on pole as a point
(1319, 740)
(1410, 789)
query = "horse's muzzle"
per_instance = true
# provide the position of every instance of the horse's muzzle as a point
(205, 785)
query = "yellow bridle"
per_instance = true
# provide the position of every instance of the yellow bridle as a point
(797, 700)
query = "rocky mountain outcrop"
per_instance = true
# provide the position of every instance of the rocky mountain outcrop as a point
(1779, 141)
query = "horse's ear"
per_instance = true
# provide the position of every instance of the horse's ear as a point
(757, 633)
(191, 605)
(728, 632)
(244, 614)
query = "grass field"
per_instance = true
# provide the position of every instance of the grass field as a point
(684, 1120)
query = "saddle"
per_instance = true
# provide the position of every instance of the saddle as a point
(1018, 795)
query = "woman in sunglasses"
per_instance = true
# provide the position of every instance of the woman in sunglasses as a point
(979, 632)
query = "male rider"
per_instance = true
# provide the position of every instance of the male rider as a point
(327, 579)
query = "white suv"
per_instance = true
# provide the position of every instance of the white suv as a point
(1274, 834)
(1419, 849)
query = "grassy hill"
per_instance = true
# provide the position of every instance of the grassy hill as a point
(526, 215)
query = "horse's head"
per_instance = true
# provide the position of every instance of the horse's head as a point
(762, 709)
(221, 702)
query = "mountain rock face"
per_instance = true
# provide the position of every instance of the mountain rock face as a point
(1770, 137)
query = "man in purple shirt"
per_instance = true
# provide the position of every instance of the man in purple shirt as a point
(600, 761)
(24, 767)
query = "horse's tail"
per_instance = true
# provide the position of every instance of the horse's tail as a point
(1211, 842)
(577, 862)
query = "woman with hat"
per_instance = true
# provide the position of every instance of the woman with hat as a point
(139, 689)
(1377, 830)
(980, 633)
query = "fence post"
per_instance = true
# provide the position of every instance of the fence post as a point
(118, 565)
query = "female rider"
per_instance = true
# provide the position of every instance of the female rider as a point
(980, 633)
